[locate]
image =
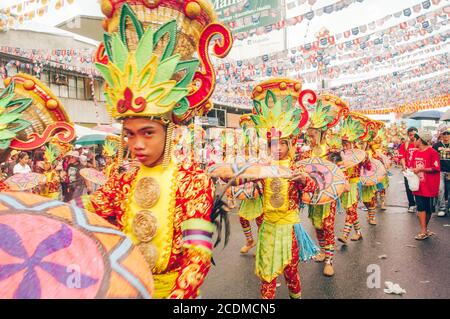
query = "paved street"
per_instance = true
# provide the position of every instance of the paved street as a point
(421, 268)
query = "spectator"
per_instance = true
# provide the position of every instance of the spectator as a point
(406, 151)
(22, 166)
(443, 148)
(75, 181)
(425, 163)
(12, 161)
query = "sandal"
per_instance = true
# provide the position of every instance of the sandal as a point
(421, 237)
(430, 233)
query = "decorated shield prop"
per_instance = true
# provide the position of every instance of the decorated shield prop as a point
(351, 158)
(329, 178)
(248, 171)
(374, 175)
(51, 250)
(93, 175)
(384, 159)
(244, 192)
(24, 182)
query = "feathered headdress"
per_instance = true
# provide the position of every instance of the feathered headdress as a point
(334, 142)
(110, 148)
(51, 153)
(278, 110)
(328, 111)
(11, 117)
(147, 57)
(352, 128)
(31, 115)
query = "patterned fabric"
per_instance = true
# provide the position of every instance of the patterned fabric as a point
(291, 275)
(194, 200)
(325, 235)
(3, 187)
(247, 227)
(351, 219)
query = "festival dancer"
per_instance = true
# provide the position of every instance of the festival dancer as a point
(329, 111)
(282, 242)
(52, 186)
(165, 207)
(379, 152)
(110, 149)
(251, 208)
(369, 192)
(351, 130)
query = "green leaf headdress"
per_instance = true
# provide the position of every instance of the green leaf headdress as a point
(351, 128)
(328, 111)
(11, 121)
(276, 113)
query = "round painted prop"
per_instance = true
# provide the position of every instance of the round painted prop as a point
(24, 182)
(351, 158)
(374, 175)
(384, 160)
(51, 250)
(243, 192)
(249, 171)
(329, 178)
(93, 175)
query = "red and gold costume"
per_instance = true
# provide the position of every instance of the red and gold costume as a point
(352, 129)
(181, 257)
(369, 192)
(281, 239)
(3, 187)
(326, 115)
(52, 186)
(148, 62)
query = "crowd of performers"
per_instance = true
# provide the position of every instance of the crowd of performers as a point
(320, 156)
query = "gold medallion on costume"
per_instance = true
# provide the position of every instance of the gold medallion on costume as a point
(147, 192)
(149, 252)
(276, 199)
(145, 225)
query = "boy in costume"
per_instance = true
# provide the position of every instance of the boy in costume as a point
(166, 208)
(326, 115)
(352, 129)
(282, 242)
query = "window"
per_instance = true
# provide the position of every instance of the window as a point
(54, 88)
(64, 91)
(80, 89)
(72, 87)
(88, 89)
(45, 77)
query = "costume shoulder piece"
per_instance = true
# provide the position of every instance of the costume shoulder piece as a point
(147, 57)
(31, 115)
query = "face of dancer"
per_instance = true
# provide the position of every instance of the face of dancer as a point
(47, 166)
(108, 160)
(279, 149)
(146, 140)
(346, 145)
(313, 136)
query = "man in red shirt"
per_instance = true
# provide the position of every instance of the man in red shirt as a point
(406, 151)
(425, 164)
